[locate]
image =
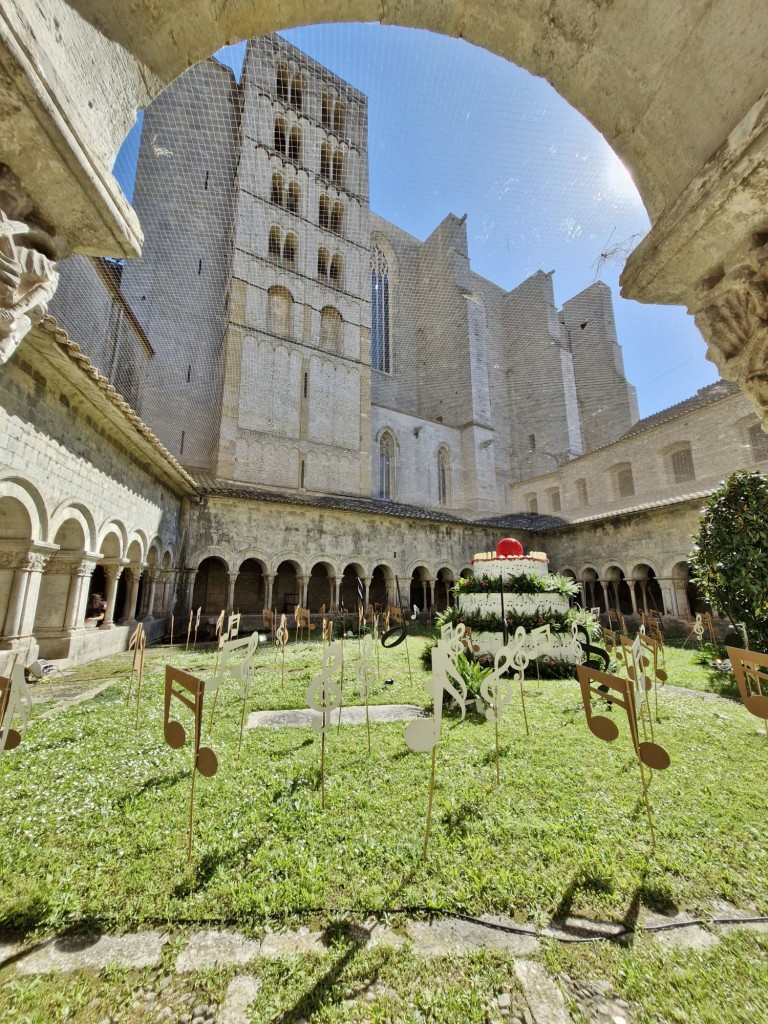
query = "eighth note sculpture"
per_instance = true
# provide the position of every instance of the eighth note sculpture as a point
(751, 672)
(424, 734)
(654, 655)
(243, 670)
(137, 644)
(15, 701)
(595, 683)
(189, 691)
(323, 696)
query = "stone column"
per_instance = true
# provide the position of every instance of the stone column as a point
(269, 583)
(430, 595)
(33, 563)
(18, 593)
(331, 591)
(129, 612)
(191, 575)
(681, 606)
(584, 600)
(81, 573)
(232, 577)
(303, 582)
(112, 573)
(338, 593)
(150, 602)
(632, 595)
(367, 585)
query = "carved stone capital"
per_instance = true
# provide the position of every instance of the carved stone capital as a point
(82, 568)
(33, 561)
(28, 274)
(733, 318)
(113, 572)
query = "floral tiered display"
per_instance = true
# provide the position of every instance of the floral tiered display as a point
(532, 598)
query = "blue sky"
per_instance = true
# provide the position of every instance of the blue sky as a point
(455, 129)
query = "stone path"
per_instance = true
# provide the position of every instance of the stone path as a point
(350, 715)
(67, 697)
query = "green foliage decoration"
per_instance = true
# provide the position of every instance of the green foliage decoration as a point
(729, 562)
(551, 583)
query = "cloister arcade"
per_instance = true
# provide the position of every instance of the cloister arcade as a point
(643, 589)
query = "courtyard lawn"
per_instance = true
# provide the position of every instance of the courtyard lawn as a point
(93, 813)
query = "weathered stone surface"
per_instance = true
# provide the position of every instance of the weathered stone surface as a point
(448, 935)
(216, 948)
(545, 999)
(294, 943)
(353, 715)
(240, 994)
(684, 937)
(76, 952)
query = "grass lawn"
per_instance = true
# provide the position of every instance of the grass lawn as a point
(93, 829)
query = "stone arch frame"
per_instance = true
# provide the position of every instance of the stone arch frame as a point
(117, 528)
(637, 560)
(331, 329)
(155, 546)
(169, 551)
(315, 600)
(444, 483)
(255, 555)
(280, 318)
(25, 492)
(277, 188)
(420, 563)
(336, 271)
(567, 568)
(387, 432)
(75, 509)
(274, 243)
(282, 81)
(291, 250)
(214, 551)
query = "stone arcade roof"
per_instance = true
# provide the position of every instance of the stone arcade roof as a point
(349, 503)
(530, 521)
(78, 369)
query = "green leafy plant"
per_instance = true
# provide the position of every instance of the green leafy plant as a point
(730, 560)
(551, 583)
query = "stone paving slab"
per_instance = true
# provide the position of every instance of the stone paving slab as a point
(352, 715)
(691, 937)
(721, 908)
(278, 944)
(68, 700)
(93, 952)
(241, 992)
(216, 949)
(545, 1000)
(451, 936)
(583, 927)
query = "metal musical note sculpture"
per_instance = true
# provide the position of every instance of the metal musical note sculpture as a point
(242, 670)
(496, 690)
(327, 631)
(654, 656)
(15, 701)
(365, 676)
(172, 621)
(698, 630)
(189, 691)
(397, 634)
(303, 622)
(750, 670)
(323, 696)
(268, 619)
(138, 644)
(593, 682)
(424, 734)
(375, 635)
(189, 629)
(281, 639)
(197, 626)
(219, 628)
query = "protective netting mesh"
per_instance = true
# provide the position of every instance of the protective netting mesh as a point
(376, 262)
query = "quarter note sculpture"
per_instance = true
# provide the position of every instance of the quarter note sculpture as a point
(424, 734)
(750, 670)
(365, 676)
(654, 655)
(496, 691)
(323, 696)
(281, 639)
(595, 683)
(15, 701)
(219, 630)
(189, 691)
(138, 644)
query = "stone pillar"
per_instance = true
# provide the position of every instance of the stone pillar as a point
(667, 597)
(81, 573)
(150, 601)
(129, 612)
(232, 577)
(191, 575)
(33, 563)
(632, 595)
(303, 582)
(681, 606)
(584, 599)
(112, 573)
(16, 600)
(338, 593)
(331, 591)
(430, 595)
(269, 583)
(367, 585)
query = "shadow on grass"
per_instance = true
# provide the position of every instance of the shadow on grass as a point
(212, 862)
(150, 786)
(457, 822)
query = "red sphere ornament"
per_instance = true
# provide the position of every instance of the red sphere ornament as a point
(509, 546)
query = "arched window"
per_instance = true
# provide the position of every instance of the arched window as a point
(280, 135)
(380, 346)
(324, 212)
(337, 271)
(326, 107)
(277, 189)
(386, 466)
(294, 197)
(290, 250)
(274, 243)
(282, 83)
(297, 93)
(280, 312)
(294, 145)
(338, 168)
(325, 160)
(443, 477)
(330, 329)
(681, 463)
(339, 118)
(337, 218)
(322, 264)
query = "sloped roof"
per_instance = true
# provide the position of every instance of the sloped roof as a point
(704, 396)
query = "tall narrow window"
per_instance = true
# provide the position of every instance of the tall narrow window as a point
(443, 477)
(290, 251)
(330, 329)
(277, 189)
(325, 160)
(322, 264)
(282, 83)
(274, 243)
(337, 218)
(297, 93)
(336, 275)
(280, 312)
(380, 345)
(294, 145)
(338, 168)
(324, 211)
(294, 197)
(581, 493)
(326, 106)
(386, 466)
(280, 136)
(339, 117)
(625, 484)
(682, 464)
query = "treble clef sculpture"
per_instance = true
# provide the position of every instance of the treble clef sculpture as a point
(519, 660)
(281, 638)
(323, 696)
